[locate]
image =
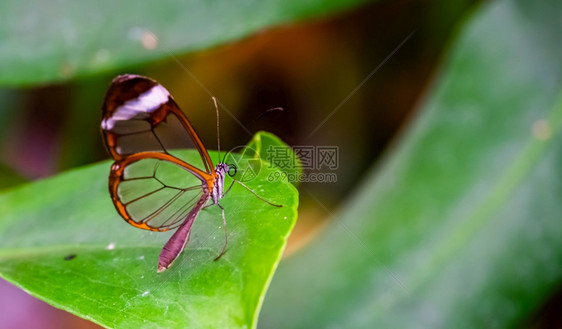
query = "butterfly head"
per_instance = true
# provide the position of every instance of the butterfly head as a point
(224, 168)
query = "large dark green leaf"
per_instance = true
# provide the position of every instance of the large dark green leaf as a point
(44, 41)
(62, 241)
(461, 227)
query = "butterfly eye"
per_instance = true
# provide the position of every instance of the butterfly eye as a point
(232, 170)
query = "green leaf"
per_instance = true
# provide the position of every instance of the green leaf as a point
(265, 146)
(461, 227)
(51, 41)
(62, 241)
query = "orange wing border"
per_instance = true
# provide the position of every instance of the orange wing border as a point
(118, 170)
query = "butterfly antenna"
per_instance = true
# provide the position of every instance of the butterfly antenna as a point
(218, 129)
(268, 111)
(264, 113)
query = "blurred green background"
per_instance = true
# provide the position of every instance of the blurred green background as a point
(371, 65)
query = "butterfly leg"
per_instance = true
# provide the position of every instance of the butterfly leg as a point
(228, 190)
(208, 205)
(225, 234)
(256, 195)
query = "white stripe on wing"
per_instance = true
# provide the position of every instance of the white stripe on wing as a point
(141, 106)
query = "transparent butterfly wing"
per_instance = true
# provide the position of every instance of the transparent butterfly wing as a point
(154, 194)
(140, 115)
(151, 183)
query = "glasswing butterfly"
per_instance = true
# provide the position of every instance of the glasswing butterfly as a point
(151, 184)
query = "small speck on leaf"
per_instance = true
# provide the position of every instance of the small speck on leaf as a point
(70, 257)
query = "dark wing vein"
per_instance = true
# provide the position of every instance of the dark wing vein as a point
(158, 193)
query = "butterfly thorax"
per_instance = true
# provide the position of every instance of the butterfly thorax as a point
(218, 187)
